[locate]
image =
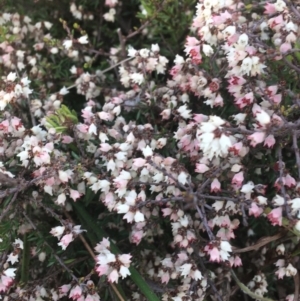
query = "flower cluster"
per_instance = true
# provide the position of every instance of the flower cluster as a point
(187, 166)
(114, 266)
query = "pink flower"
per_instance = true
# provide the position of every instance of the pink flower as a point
(67, 139)
(285, 47)
(275, 216)
(270, 9)
(290, 181)
(235, 261)
(138, 163)
(276, 98)
(215, 186)
(201, 168)
(65, 288)
(165, 277)
(255, 210)
(102, 269)
(113, 276)
(6, 281)
(65, 240)
(213, 253)
(238, 179)
(74, 194)
(256, 138)
(236, 148)
(136, 237)
(270, 141)
(111, 3)
(245, 100)
(75, 292)
(274, 22)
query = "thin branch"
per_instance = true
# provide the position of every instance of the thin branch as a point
(291, 65)
(8, 207)
(297, 154)
(282, 188)
(204, 220)
(122, 43)
(54, 254)
(89, 249)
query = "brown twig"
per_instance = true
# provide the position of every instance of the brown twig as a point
(89, 249)
(282, 188)
(260, 243)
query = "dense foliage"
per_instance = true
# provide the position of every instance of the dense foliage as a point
(149, 150)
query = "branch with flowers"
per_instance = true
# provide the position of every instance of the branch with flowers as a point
(181, 171)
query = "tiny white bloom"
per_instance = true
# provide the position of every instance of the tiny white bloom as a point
(11, 76)
(139, 217)
(147, 151)
(182, 178)
(155, 48)
(63, 91)
(185, 269)
(83, 39)
(68, 44)
(207, 49)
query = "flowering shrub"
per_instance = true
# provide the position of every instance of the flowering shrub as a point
(129, 172)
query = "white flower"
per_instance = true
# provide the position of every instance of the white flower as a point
(47, 24)
(179, 60)
(139, 217)
(290, 271)
(278, 200)
(10, 273)
(295, 204)
(131, 51)
(57, 231)
(68, 44)
(239, 118)
(42, 256)
(184, 112)
(11, 76)
(122, 208)
(147, 151)
(83, 39)
(229, 31)
(207, 49)
(155, 48)
(279, 5)
(61, 199)
(197, 275)
(104, 185)
(225, 248)
(182, 178)
(263, 118)
(137, 78)
(246, 66)
(124, 271)
(243, 40)
(63, 176)
(262, 200)
(185, 269)
(19, 243)
(63, 91)
(110, 16)
(144, 53)
(13, 258)
(248, 189)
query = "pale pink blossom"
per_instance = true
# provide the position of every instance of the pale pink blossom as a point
(255, 210)
(270, 141)
(256, 138)
(238, 179)
(215, 186)
(275, 216)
